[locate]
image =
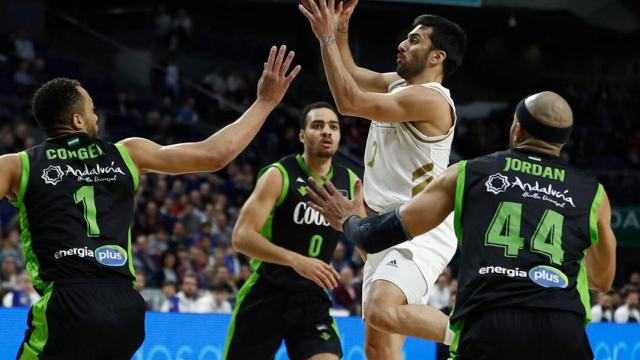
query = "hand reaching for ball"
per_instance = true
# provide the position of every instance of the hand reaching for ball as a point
(324, 17)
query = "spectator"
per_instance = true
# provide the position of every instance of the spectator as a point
(23, 296)
(169, 290)
(347, 295)
(634, 279)
(144, 262)
(222, 232)
(628, 313)
(245, 273)
(182, 26)
(172, 78)
(9, 273)
(604, 310)
(141, 287)
(169, 267)
(12, 247)
(188, 114)
(222, 276)
(219, 302)
(440, 294)
(186, 301)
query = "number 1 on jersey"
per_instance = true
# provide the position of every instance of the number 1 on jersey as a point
(86, 196)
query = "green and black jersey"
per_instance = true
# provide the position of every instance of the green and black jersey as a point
(524, 221)
(297, 227)
(76, 207)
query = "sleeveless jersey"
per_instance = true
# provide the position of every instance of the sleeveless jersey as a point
(524, 221)
(76, 207)
(297, 227)
(400, 161)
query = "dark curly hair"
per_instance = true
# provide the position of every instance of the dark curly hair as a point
(55, 102)
(446, 36)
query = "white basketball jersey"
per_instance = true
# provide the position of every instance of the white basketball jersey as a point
(400, 161)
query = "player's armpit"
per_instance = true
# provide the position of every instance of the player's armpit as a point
(601, 258)
(414, 103)
(432, 206)
(10, 174)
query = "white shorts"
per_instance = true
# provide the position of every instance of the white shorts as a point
(393, 265)
(419, 263)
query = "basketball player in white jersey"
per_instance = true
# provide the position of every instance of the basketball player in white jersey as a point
(412, 123)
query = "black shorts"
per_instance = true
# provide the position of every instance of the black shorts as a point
(87, 319)
(265, 315)
(523, 334)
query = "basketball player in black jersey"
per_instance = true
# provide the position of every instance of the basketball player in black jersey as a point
(291, 245)
(535, 235)
(75, 194)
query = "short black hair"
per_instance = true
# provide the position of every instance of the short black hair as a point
(313, 106)
(447, 36)
(55, 102)
(221, 286)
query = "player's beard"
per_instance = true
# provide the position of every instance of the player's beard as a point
(409, 69)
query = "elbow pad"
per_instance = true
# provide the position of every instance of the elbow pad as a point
(377, 233)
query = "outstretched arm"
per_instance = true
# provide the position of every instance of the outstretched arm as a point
(366, 79)
(415, 103)
(220, 148)
(377, 233)
(248, 239)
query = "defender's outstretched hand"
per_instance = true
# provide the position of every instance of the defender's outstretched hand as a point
(334, 206)
(274, 82)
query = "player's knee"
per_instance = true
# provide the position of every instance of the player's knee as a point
(380, 317)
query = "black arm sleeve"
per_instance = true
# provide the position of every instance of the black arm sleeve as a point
(376, 233)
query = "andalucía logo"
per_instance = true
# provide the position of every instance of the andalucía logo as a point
(52, 175)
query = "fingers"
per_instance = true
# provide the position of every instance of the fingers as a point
(331, 189)
(328, 275)
(303, 9)
(315, 206)
(332, 4)
(314, 7)
(317, 199)
(272, 58)
(357, 191)
(323, 6)
(293, 74)
(279, 59)
(287, 62)
(340, 8)
(320, 190)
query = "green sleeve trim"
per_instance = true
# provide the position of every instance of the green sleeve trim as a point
(593, 216)
(24, 178)
(242, 294)
(583, 289)
(459, 199)
(130, 164)
(352, 183)
(455, 342)
(285, 180)
(34, 345)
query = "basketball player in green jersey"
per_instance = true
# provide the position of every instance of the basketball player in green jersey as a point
(75, 194)
(535, 235)
(292, 245)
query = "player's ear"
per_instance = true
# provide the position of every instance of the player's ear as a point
(77, 122)
(437, 57)
(302, 136)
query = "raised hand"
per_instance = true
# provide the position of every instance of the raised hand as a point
(323, 17)
(334, 206)
(274, 82)
(343, 22)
